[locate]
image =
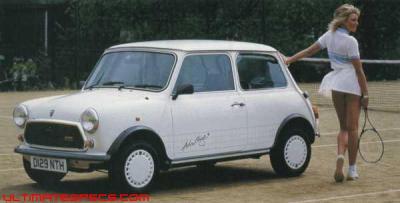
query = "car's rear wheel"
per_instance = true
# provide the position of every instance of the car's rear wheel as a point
(135, 168)
(45, 178)
(291, 154)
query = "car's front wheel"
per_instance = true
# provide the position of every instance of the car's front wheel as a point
(135, 168)
(45, 178)
(291, 154)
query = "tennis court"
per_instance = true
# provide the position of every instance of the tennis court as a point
(242, 180)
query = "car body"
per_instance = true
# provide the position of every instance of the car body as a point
(150, 106)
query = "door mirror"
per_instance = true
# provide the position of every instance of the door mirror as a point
(183, 89)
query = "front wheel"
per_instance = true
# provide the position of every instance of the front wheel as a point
(45, 178)
(135, 168)
(291, 154)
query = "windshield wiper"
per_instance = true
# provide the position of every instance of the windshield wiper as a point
(113, 83)
(121, 84)
(148, 86)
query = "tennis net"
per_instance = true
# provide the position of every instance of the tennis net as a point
(383, 88)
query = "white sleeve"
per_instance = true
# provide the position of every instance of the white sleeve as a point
(322, 40)
(352, 50)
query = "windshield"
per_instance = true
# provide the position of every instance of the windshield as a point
(143, 70)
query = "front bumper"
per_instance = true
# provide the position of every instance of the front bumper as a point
(26, 150)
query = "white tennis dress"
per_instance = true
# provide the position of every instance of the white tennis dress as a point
(342, 48)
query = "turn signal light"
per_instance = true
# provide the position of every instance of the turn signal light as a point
(89, 143)
(20, 137)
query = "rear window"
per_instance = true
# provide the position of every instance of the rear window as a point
(260, 72)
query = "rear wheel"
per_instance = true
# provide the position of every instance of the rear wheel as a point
(135, 168)
(45, 178)
(291, 154)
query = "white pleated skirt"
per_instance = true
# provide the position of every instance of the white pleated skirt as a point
(341, 80)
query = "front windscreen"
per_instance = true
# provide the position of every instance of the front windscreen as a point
(141, 70)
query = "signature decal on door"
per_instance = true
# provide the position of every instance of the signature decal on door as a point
(199, 141)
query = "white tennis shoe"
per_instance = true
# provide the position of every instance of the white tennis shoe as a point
(339, 175)
(352, 174)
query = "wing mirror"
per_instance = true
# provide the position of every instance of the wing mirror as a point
(183, 89)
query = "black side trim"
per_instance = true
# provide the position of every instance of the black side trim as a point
(22, 149)
(125, 134)
(287, 120)
(256, 156)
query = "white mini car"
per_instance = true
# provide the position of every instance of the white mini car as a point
(150, 106)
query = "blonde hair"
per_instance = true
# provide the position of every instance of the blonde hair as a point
(341, 15)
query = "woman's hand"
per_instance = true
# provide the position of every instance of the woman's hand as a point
(288, 60)
(364, 101)
(285, 58)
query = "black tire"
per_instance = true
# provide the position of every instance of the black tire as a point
(44, 178)
(288, 156)
(144, 154)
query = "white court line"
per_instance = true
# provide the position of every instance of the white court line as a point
(326, 109)
(12, 169)
(8, 146)
(379, 130)
(334, 145)
(349, 196)
(10, 154)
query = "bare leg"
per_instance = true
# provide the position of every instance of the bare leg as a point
(340, 107)
(353, 107)
(339, 101)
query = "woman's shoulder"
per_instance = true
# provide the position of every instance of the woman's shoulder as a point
(352, 39)
(328, 33)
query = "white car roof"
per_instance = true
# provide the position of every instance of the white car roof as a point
(198, 45)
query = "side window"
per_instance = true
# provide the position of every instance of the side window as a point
(259, 72)
(206, 73)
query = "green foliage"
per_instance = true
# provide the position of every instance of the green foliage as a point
(24, 73)
(288, 25)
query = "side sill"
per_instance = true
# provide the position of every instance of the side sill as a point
(219, 157)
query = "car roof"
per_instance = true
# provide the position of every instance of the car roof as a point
(198, 45)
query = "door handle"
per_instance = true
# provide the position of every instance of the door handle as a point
(241, 104)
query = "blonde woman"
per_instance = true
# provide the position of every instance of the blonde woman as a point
(346, 84)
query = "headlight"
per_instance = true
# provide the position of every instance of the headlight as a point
(20, 116)
(90, 120)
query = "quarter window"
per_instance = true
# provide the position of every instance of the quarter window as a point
(259, 72)
(207, 73)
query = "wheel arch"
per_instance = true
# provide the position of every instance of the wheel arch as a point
(296, 120)
(142, 133)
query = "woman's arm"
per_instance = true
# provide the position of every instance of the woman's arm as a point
(311, 50)
(362, 81)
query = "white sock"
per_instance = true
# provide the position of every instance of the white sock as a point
(353, 167)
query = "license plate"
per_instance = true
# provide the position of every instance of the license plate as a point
(49, 164)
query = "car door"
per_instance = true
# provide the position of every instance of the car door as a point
(264, 88)
(212, 120)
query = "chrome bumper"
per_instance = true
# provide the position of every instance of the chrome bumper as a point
(26, 150)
